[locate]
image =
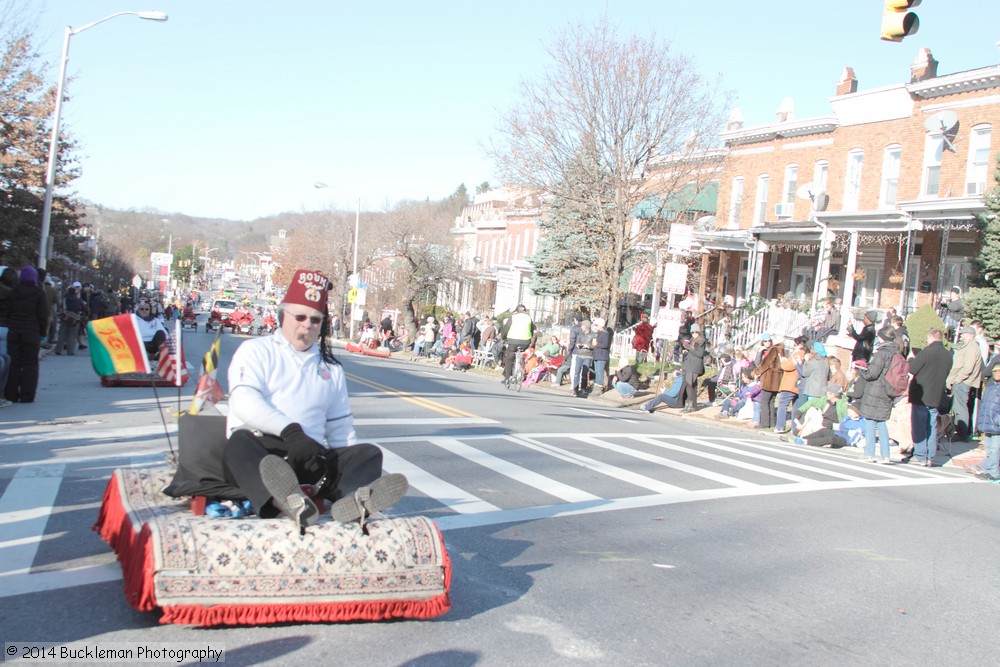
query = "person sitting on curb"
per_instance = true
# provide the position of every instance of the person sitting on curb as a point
(750, 391)
(624, 380)
(833, 409)
(670, 395)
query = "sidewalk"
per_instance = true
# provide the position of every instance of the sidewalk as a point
(950, 455)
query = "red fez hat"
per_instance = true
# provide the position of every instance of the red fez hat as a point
(308, 288)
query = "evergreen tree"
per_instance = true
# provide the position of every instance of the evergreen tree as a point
(574, 259)
(982, 302)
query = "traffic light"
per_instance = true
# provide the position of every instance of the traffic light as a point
(897, 21)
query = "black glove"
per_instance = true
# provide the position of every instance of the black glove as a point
(301, 447)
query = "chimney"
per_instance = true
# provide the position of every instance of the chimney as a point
(848, 82)
(735, 121)
(923, 67)
(786, 112)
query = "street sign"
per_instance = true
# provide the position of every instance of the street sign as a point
(675, 278)
(352, 295)
(681, 238)
(668, 324)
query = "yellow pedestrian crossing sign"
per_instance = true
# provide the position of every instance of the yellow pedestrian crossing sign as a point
(352, 295)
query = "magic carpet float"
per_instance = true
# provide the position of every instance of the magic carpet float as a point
(206, 571)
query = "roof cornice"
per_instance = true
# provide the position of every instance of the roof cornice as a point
(960, 82)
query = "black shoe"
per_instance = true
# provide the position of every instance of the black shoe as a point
(380, 495)
(286, 494)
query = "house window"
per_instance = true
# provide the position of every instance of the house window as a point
(933, 146)
(736, 203)
(785, 208)
(979, 159)
(890, 176)
(760, 206)
(820, 173)
(852, 184)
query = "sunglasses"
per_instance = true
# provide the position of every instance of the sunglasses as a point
(313, 319)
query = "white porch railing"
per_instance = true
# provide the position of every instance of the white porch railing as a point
(772, 319)
(621, 345)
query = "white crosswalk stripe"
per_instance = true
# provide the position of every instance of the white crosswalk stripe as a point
(731, 466)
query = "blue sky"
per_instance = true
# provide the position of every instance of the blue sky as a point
(235, 108)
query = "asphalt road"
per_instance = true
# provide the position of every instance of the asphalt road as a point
(581, 533)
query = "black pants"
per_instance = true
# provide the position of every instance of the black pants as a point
(824, 437)
(508, 355)
(349, 468)
(153, 346)
(767, 408)
(689, 390)
(22, 379)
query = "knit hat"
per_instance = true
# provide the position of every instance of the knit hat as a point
(872, 315)
(819, 348)
(308, 288)
(29, 275)
(76, 284)
(889, 334)
(695, 328)
(833, 389)
(764, 337)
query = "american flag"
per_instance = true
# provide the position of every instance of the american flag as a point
(208, 390)
(640, 278)
(171, 366)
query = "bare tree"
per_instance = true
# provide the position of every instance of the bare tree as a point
(612, 123)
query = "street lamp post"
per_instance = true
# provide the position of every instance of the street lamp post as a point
(50, 175)
(319, 185)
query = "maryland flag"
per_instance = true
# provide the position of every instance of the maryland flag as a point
(208, 390)
(116, 345)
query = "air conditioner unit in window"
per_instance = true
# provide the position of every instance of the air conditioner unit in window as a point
(974, 188)
(783, 210)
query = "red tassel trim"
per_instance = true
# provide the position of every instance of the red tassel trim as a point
(134, 550)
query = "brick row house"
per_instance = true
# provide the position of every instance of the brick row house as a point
(874, 203)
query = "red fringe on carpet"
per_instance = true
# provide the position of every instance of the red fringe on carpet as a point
(135, 553)
(134, 550)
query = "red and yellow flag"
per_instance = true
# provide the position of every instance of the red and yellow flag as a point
(116, 345)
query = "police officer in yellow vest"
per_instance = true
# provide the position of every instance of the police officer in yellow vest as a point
(517, 331)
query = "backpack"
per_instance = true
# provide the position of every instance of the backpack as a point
(897, 377)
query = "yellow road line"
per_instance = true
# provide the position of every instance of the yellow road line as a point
(434, 406)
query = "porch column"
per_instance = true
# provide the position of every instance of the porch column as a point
(723, 267)
(822, 265)
(846, 317)
(945, 237)
(703, 279)
(901, 309)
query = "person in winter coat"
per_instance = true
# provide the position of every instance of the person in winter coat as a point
(989, 425)
(965, 377)
(768, 371)
(789, 389)
(930, 370)
(865, 339)
(692, 367)
(602, 354)
(625, 379)
(73, 312)
(28, 323)
(643, 338)
(876, 403)
(815, 376)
